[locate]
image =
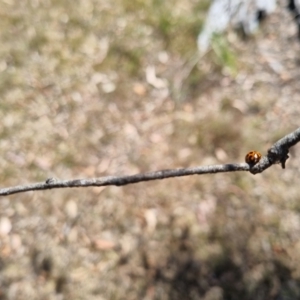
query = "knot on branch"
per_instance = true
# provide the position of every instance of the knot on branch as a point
(278, 155)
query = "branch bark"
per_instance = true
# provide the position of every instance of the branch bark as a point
(278, 153)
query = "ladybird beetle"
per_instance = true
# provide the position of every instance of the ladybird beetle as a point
(252, 157)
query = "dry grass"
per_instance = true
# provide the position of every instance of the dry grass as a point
(79, 99)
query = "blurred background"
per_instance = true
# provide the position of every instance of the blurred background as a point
(91, 88)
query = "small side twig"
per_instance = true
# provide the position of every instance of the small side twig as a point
(278, 153)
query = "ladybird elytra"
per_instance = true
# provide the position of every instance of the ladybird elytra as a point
(252, 157)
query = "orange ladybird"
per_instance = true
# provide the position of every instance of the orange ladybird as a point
(252, 157)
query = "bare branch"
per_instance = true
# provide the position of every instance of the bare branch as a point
(278, 153)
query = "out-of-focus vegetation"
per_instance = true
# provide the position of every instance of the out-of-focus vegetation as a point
(94, 88)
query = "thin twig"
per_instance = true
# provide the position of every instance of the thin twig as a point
(52, 183)
(278, 153)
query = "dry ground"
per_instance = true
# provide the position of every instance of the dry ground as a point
(95, 87)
